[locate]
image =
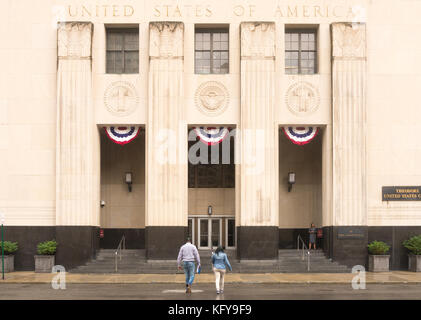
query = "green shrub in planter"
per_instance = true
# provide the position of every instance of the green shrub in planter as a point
(9, 247)
(47, 248)
(413, 245)
(378, 248)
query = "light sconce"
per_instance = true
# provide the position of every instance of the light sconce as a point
(128, 180)
(291, 180)
(210, 210)
(102, 203)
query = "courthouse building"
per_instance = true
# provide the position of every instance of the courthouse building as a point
(299, 112)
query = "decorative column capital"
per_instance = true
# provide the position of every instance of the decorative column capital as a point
(166, 40)
(257, 40)
(74, 40)
(348, 40)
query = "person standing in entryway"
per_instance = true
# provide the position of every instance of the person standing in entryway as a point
(188, 255)
(312, 232)
(219, 263)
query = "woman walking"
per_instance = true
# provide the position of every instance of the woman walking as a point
(219, 260)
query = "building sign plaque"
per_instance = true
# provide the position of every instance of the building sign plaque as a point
(401, 193)
(350, 233)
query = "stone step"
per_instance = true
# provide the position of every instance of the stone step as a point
(134, 261)
(123, 254)
(299, 256)
(292, 262)
(125, 250)
(112, 260)
(300, 252)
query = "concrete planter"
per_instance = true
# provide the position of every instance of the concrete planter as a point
(9, 263)
(378, 263)
(414, 263)
(44, 263)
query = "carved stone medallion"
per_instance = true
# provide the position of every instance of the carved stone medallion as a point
(121, 98)
(212, 98)
(302, 98)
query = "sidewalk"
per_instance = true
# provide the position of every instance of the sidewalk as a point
(281, 278)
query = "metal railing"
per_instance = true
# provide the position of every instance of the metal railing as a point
(118, 252)
(304, 248)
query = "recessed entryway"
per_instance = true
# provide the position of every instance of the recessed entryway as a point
(211, 187)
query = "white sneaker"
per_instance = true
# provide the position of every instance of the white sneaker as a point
(217, 291)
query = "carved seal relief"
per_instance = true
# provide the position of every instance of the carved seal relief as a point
(302, 98)
(121, 98)
(211, 98)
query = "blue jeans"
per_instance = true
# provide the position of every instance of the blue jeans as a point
(189, 271)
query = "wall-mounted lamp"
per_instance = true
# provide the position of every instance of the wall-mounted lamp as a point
(210, 210)
(102, 203)
(128, 180)
(291, 180)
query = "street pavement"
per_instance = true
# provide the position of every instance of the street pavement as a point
(296, 278)
(206, 291)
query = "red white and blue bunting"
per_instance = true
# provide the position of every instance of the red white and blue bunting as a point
(122, 135)
(300, 135)
(211, 135)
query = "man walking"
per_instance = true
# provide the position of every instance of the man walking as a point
(188, 254)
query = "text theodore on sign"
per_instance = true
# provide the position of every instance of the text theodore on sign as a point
(401, 193)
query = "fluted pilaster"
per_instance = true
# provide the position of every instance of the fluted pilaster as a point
(259, 165)
(349, 124)
(166, 173)
(77, 162)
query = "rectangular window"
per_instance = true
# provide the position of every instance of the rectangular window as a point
(300, 51)
(211, 51)
(122, 51)
(208, 175)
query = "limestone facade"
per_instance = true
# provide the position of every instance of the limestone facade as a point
(55, 98)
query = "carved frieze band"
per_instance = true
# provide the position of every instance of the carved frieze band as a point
(257, 40)
(349, 40)
(166, 40)
(74, 40)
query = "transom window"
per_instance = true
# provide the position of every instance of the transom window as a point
(211, 51)
(212, 175)
(300, 52)
(122, 51)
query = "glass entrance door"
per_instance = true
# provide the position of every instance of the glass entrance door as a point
(190, 230)
(209, 233)
(203, 233)
(230, 238)
(216, 232)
